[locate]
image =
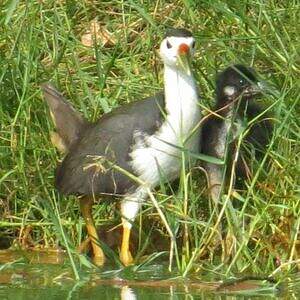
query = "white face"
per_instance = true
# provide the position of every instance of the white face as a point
(229, 90)
(172, 47)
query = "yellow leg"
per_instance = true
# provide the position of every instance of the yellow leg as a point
(86, 210)
(125, 255)
(84, 246)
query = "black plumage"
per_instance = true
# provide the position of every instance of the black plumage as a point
(111, 137)
(136, 138)
(236, 88)
(178, 32)
(68, 122)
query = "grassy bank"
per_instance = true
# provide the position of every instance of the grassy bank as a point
(43, 41)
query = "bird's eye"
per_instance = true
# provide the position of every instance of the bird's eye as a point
(169, 45)
(242, 81)
(193, 44)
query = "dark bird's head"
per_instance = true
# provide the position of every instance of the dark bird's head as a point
(177, 48)
(237, 82)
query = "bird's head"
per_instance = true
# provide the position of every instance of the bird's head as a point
(237, 81)
(177, 48)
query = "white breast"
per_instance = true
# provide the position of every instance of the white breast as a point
(154, 158)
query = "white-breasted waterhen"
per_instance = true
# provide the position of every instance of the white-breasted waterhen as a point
(236, 88)
(140, 138)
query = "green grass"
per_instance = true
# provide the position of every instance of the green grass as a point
(41, 41)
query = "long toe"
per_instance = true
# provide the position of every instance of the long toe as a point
(85, 246)
(126, 258)
(98, 255)
(99, 260)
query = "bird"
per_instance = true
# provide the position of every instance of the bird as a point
(236, 89)
(143, 138)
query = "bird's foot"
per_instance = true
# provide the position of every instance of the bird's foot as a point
(98, 255)
(126, 258)
(99, 260)
(84, 246)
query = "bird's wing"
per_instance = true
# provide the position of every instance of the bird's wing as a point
(87, 167)
(68, 122)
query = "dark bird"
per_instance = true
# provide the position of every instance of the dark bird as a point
(236, 88)
(140, 138)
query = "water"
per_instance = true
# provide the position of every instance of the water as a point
(32, 278)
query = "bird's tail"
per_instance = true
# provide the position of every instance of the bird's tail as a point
(68, 122)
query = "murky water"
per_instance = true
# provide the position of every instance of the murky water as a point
(30, 278)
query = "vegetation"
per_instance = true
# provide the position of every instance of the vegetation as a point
(44, 41)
